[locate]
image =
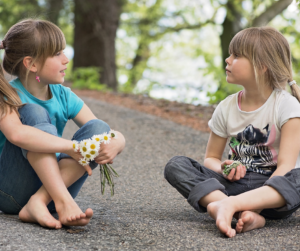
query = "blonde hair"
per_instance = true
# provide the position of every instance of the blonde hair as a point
(36, 38)
(267, 50)
(9, 98)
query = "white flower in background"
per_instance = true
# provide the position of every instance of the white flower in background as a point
(75, 146)
(113, 134)
(83, 162)
(106, 138)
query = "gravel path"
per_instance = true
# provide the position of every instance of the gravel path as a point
(146, 213)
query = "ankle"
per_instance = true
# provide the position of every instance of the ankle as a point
(41, 197)
(234, 203)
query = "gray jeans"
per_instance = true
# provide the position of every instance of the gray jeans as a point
(194, 181)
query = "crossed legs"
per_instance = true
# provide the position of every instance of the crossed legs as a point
(55, 178)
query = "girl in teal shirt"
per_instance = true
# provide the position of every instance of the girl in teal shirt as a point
(39, 171)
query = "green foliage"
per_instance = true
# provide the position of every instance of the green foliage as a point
(87, 78)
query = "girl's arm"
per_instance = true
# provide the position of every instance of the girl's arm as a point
(107, 151)
(213, 156)
(289, 147)
(29, 138)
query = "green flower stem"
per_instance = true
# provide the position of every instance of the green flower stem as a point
(106, 174)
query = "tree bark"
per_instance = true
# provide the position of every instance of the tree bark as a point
(54, 7)
(231, 26)
(96, 23)
(271, 12)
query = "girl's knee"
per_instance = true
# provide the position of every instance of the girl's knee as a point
(33, 114)
(97, 126)
(172, 166)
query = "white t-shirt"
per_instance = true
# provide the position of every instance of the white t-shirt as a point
(255, 136)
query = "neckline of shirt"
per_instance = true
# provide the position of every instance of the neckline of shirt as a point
(24, 90)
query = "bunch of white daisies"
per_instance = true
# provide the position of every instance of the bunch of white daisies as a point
(89, 149)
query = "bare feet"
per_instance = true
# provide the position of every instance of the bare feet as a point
(222, 212)
(71, 215)
(248, 221)
(35, 211)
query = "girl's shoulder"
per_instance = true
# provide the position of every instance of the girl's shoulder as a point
(229, 102)
(284, 98)
(287, 107)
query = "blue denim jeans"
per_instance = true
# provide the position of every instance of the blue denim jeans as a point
(18, 180)
(195, 181)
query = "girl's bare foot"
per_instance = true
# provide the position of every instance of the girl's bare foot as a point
(248, 221)
(222, 212)
(35, 211)
(71, 215)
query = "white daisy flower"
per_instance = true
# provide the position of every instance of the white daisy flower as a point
(83, 162)
(113, 134)
(97, 138)
(75, 146)
(87, 156)
(93, 154)
(83, 147)
(93, 145)
(106, 138)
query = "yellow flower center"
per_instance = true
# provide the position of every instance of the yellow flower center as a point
(88, 156)
(93, 146)
(92, 152)
(84, 149)
(74, 146)
(105, 138)
(97, 139)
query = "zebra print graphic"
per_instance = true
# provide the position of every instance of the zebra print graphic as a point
(249, 148)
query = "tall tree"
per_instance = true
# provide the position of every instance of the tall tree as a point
(96, 23)
(54, 7)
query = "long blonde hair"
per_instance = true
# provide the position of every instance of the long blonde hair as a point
(38, 39)
(267, 49)
(9, 98)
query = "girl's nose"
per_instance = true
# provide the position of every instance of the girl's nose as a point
(227, 60)
(66, 60)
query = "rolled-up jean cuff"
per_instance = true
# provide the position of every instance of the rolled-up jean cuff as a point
(202, 189)
(93, 164)
(287, 189)
(45, 127)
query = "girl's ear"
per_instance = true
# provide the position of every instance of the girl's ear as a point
(27, 62)
(264, 69)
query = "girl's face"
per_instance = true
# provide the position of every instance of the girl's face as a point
(53, 71)
(239, 70)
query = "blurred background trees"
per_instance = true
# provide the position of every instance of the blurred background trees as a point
(170, 49)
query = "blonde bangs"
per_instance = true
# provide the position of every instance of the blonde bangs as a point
(49, 40)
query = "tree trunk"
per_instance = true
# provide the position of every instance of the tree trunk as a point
(54, 7)
(96, 23)
(231, 26)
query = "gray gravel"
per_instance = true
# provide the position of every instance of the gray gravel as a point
(146, 213)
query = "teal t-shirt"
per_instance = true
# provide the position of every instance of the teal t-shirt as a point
(63, 105)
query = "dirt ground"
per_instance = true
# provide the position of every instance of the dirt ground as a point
(193, 116)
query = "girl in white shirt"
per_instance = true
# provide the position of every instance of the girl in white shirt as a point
(262, 125)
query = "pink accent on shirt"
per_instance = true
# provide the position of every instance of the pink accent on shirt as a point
(271, 140)
(240, 99)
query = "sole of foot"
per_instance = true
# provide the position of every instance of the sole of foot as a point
(222, 213)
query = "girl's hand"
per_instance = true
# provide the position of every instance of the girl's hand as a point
(77, 156)
(236, 173)
(108, 152)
